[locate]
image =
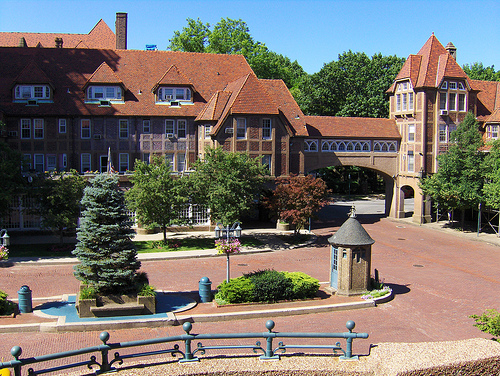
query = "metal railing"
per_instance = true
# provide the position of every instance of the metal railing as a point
(188, 355)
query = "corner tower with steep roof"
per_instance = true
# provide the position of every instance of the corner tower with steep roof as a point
(430, 96)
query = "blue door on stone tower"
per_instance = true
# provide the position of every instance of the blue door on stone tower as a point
(335, 267)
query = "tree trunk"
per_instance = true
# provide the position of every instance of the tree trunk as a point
(164, 229)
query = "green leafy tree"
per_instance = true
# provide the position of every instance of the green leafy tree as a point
(354, 85)
(11, 180)
(488, 322)
(458, 182)
(59, 201)
(227, 183)
(491, 167)
(298, 198)
(231, 36)
(108, 259)
(155, 195)
(477, 71)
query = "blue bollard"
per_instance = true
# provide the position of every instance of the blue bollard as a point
(205, 290)
(25, 301)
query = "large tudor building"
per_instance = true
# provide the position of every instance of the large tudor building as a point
(65, 104)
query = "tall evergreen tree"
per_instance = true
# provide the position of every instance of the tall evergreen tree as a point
(108, 259)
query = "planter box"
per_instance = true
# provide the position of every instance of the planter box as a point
(83, 307)
(149, 304)
(282, 226)
(116, 305)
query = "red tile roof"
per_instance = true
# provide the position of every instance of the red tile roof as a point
(352, 127)
(430, 66)
(488, 99)
(70, 69)
(100, 36)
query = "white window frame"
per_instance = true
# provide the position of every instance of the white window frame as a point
(85, 162)
(25, 129)
(169, 94)
(208, 129)
(104, 93)
(492, 131)
(30, 92)
(452, 103)
(267, 129)
(443, 100)
(241, 128)
(464, 107)
(38, 131)
(266, 161)
(85, 129)
(39, 160)
(123, 131)
(181, 128)
(169, 126)
(311, 145)
(411, 161)
(452, 85)
(51, 162)
(411, 132)
(169, 158)
(123, 162)
(411, 98)
(146, 126)
(62, 126)
(398, 102)
(181, 162)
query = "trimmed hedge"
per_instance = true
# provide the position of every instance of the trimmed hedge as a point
(267, 286)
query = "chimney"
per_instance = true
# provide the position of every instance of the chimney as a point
(452, 50)
(121, 31)
(59, 43)
(22, 42)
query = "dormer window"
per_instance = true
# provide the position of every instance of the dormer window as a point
(450, 97)
(32, 92)
(174, 94)
(405, 100)
(104, 93)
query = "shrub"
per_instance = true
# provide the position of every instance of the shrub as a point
(6, 306)
(270, 286)
(146, 290)
(304, 286)
(88, 293)
(488, 322)
(238, 290)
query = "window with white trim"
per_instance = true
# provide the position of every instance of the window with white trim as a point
(38, 128)
(39, 162)
(146, 126)
(62, 125)
(492, 131)
(123, 162)
(85, 162)
(266, 129)
(181, 162)
(51, 162)
(123, 128)
(311, 145)
(25, 128)
(169, 160)
(208, 129)
(27, 92)
(405, 96)
(181, 128)
(170, 128)
(452, 99)
(445, 131)
(411, 133)
(443, 100)
(85, 128)
(170, 94)
(241, 128)
(109, 93)
(266, 161)
(145, 158)
(411, 161)
(461, 102)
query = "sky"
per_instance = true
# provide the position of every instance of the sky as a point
(313, 32)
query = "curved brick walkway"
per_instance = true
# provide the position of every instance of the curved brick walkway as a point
(439, 277)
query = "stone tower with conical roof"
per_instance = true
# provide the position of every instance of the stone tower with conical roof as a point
(350, 258)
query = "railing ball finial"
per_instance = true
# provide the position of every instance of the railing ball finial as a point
(104, 336)
(16, 352)
(187, 326)
(270, 325)
(350, 325)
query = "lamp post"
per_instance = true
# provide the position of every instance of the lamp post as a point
(226, 233)
(5, 237)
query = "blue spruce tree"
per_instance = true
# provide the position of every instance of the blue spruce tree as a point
(108, 259)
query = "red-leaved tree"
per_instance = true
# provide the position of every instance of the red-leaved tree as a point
(297, 198)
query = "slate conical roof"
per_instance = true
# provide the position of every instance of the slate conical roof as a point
(351, 233)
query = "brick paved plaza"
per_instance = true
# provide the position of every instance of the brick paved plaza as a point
(439, 279)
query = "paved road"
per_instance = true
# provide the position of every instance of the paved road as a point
(439, 280)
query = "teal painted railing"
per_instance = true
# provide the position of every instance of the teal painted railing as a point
(188, 355)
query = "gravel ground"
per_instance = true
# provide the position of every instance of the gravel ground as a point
(469, 357)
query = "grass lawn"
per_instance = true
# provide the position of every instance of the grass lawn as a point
(185, 244)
